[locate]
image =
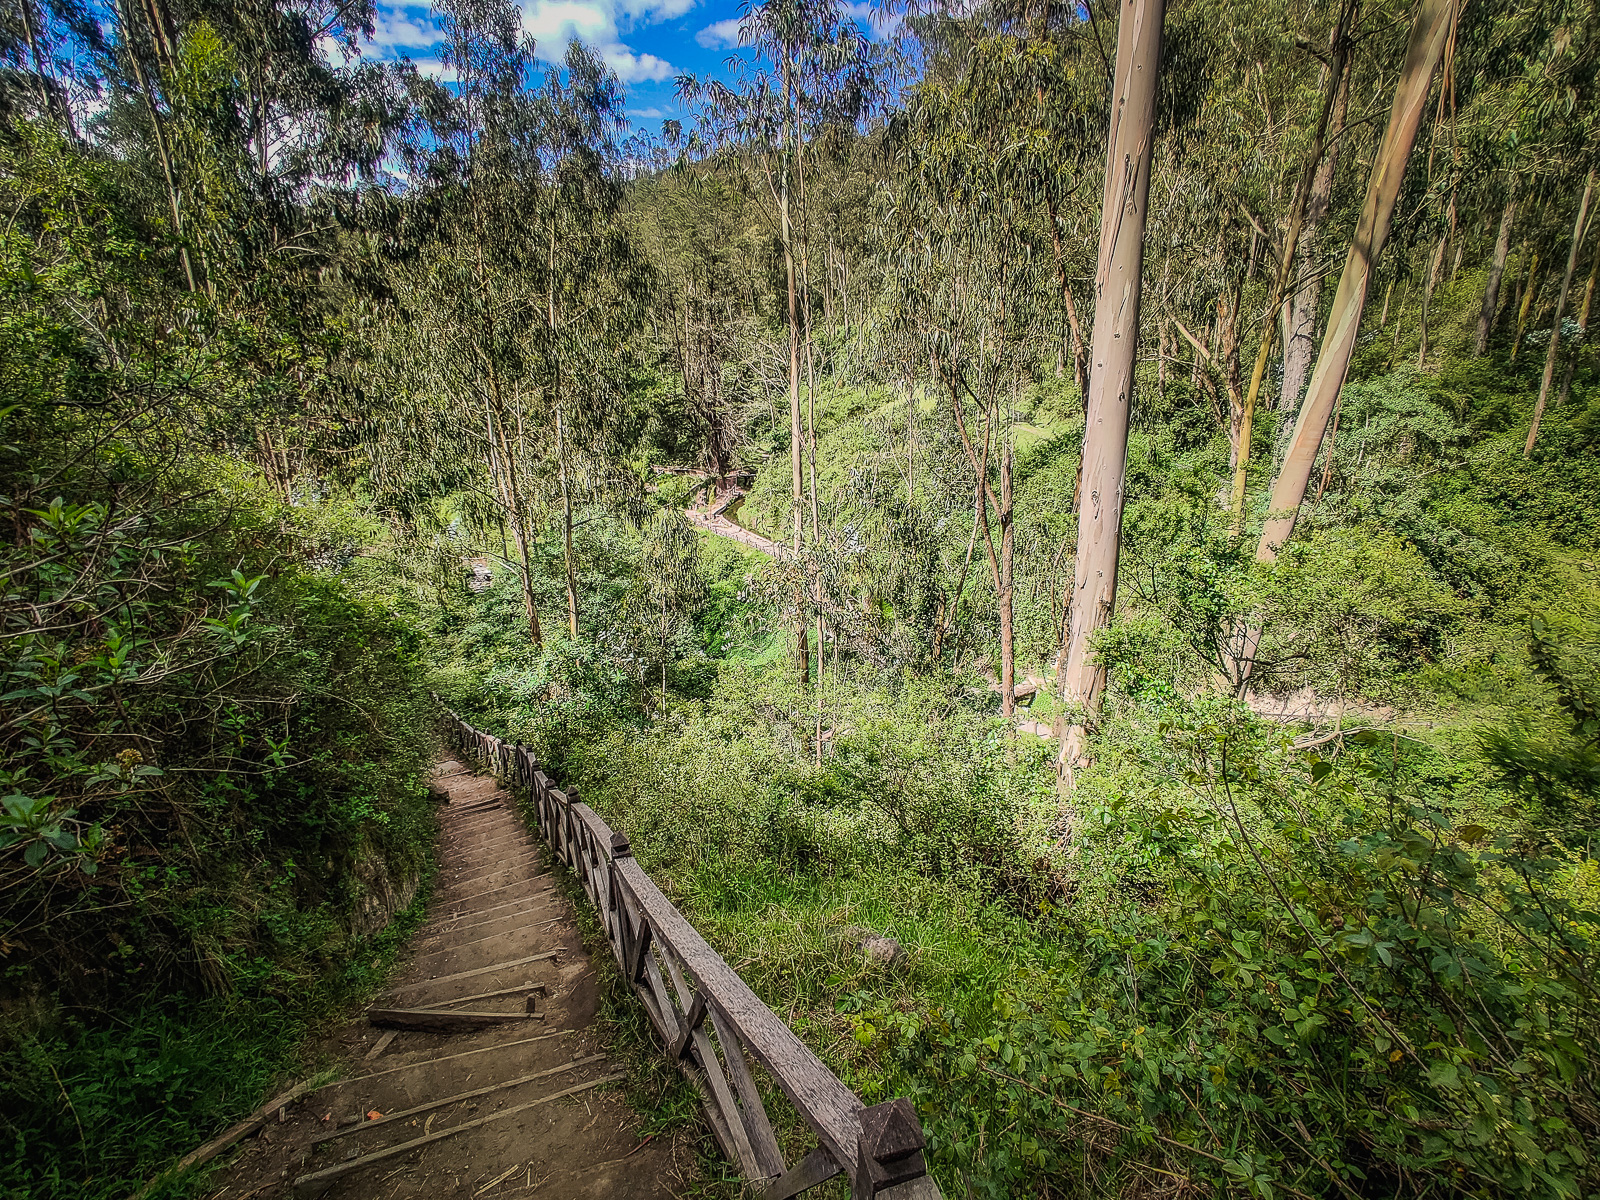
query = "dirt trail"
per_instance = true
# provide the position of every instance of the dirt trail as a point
(528, 1098)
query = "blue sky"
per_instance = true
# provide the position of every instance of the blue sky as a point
(647, 42)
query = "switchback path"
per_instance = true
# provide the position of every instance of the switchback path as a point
(503, 1105)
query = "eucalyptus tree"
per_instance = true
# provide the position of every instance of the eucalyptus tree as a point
(1430, 28)
(964, 245)
(594, 285)
(1578, 228)
(1113, 355)
(811, 68)
(1315, 172)
(449, 350)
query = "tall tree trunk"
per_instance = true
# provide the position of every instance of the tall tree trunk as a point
(1228, 322)
(1114, 349)
(1008, 651)
(1080, 368)
(1530, 286)
(1497, 271)
(163, 150)
(1310, 205)
(502, 470)
(811, 430)
(568, 564)
(1583, 328)
(1561, 311)
(1433, 21)
(1430, 282)
(796, 444)
(566, 528)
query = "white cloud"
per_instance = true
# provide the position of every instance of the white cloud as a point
(396, 28)
(599, 23)
(634, 68)
(880, 23)
(648, 114)
(433, 68)
(723, 33)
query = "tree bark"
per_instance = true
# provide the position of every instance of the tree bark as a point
(1561, 311)
(1530, 285)
(1080, 368)
(796, 445)
(1583, 327)
(1310, 205)
(1228, 322)
(1497, 271)
(1428, 284)
(1383, 190)
(163, 152)
(1114, 350)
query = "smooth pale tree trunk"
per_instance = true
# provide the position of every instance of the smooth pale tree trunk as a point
(1008, 640)
(1497, 271)
(1427, 41)
(1310, 205)
(1372, 229)
(566, 529)
(1428, 284)
(1114, 353)
(796, 445)
(811, 433)
(1530, 285)
(1228, 322)
(561, 445)
(1583, 327)
(163, 152)
(1561, 311)
(1080, 367)
(502, 470)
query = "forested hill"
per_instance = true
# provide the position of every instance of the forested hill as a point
(1163, 600)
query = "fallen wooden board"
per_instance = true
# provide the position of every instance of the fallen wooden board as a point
(472, 1095)
(320, 1181)
(227, 1137)
(431, 1020)
(380, 1046)
(510, 991)
(429, 1062)
(489, 970)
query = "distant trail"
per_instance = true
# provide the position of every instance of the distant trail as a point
(723, 527)
(716, 521)
(504, 1105)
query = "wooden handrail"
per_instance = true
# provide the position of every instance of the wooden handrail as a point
(708, 1018)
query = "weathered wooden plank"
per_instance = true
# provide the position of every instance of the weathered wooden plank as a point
(428, 1062)
(749, 1165)
(816, 1167)
(390, 1118)
(227, 1137)
(320, 1181)
(456, 947)
(495, 891)
(489, 970)
(829, 1107)
(762, 1139)
(517, 910)
(687, 1028)
(520, 988)
(436, 1020)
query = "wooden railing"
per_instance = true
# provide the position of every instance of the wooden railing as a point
(707, 1017)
